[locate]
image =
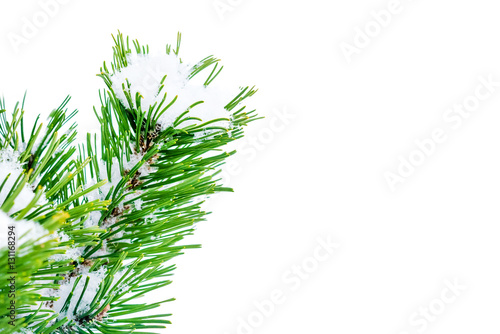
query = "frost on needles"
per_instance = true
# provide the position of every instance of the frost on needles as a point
(96, 224)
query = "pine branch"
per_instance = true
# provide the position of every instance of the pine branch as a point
(122, 203)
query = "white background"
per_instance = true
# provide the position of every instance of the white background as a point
(320, 174)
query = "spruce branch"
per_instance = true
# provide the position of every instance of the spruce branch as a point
(119, 206)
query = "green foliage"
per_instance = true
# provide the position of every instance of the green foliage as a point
(123, 202)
